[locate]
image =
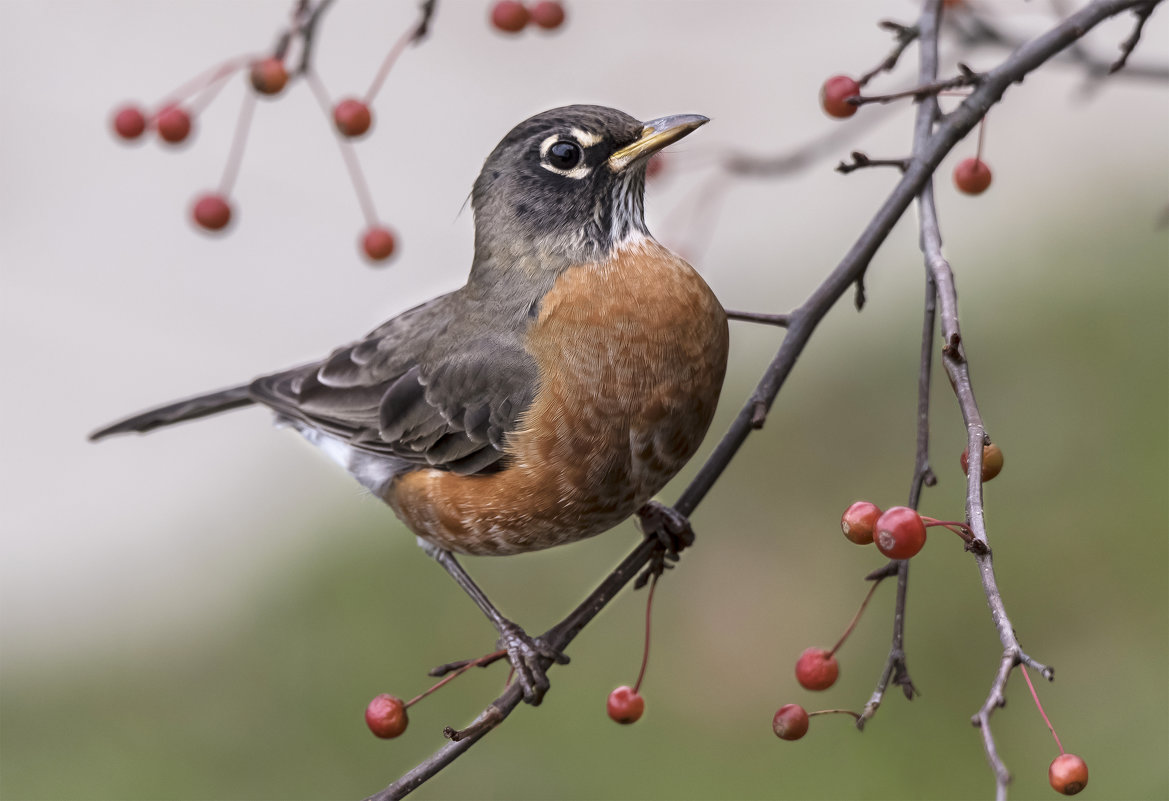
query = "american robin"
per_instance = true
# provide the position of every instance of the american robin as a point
(550, 397)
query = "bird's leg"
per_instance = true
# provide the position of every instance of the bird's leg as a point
(671, 529)
(527, 655)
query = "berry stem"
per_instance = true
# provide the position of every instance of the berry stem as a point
(981, 133)
(415, 33)
(235, 156)
(360, 188)
(855, 618)
(961, 529)
(470, 663)
(835, 712)
(206, 79)
(1038, 705)
(649, 603)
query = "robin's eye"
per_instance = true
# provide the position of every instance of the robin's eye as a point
(564, 155)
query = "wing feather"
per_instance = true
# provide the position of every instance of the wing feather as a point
(418, 388)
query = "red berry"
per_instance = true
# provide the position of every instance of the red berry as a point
(992, 461)
(129, 122)
(972, 176)
(817, 669)
(386, 716)
(790, 722)
(352, 117)
(211, 211)
(378, 243)
(900, 533)
(268, 76)
(625, 705)
(173, 124)
(834, 95)
(509, 16)
(858, 522)
(548, 14)
(1068, 774)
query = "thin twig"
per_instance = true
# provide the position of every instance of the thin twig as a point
(780, 320)
(981, 719)
(905, 35)
(974, 30)
(924, 90)
(1126, 47)
(307, 18)
(860, 161)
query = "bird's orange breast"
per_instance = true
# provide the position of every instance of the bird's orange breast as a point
(631, 355)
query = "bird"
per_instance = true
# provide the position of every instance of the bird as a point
(549, 398)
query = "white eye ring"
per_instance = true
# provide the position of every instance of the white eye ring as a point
(580, 170)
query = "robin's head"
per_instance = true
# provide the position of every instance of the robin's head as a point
(567, 185)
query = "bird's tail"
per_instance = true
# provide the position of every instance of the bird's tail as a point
(177, 412)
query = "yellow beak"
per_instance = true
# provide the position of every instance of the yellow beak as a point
(655, 135)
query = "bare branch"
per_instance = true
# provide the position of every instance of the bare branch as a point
(966, 77)
(860, 161)
(306, 17)
(905, 36)
(780, 320)
(958, 368)
(1126, 47)
(976, 30)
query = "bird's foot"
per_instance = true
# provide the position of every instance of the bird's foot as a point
(672, 531)
(530, 658)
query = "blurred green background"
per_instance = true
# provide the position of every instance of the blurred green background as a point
(228, 651)
(268, 703)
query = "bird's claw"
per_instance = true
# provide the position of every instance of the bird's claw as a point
(529, 657)
(672, 531)
(670, 527)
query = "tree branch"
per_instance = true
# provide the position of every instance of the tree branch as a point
(801, 324)
(958, 369)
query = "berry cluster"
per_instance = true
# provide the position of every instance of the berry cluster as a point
(900, 533)
(268, 77)
(510, 16)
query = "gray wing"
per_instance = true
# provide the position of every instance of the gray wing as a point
(429, 387)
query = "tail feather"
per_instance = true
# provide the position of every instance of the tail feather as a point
(177, 412)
